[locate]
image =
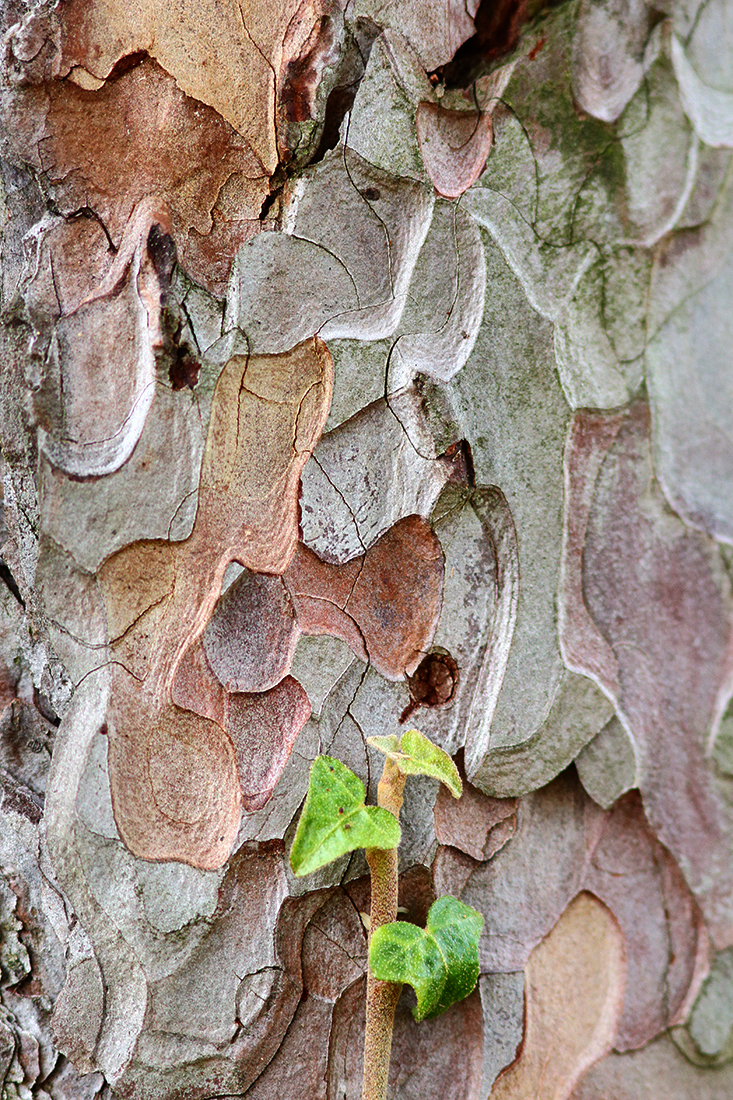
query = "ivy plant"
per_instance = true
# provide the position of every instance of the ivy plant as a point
(439, 961)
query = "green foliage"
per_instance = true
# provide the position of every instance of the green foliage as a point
(336, 821)
(440, 961)
(414, 754)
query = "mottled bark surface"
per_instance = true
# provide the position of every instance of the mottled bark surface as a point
(365, 361)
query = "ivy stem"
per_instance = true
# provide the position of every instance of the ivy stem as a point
(382, 997)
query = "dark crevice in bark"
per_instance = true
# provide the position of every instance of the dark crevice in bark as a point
(7, 578)
(183, 364)
(127, 63)
(45, 708)
(433, 684)
(342, 95)
(339, 103)
(162, 251)
(499, 24)
(90, 215)
(458, 458)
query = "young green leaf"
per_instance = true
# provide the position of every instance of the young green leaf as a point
(389, 745)
(336, 821)
(414, 754)
(440, 961)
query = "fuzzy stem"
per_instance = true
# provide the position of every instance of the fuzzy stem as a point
(382, 997)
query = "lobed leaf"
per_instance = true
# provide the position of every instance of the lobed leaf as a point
(415, 754)
(440, 961)
(335, 820)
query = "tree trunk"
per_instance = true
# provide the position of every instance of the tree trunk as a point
(366, 364)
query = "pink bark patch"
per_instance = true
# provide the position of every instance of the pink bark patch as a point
(454, 146)
(263, 727)
(664, 935)
(565, 844)
(646, 611)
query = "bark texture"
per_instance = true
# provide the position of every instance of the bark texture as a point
(361, 361)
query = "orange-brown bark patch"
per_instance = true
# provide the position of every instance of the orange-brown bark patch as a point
(385, 604)
(174, 776)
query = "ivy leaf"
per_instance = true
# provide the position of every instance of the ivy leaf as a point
(440, 961)
(336, 821)
(389, 745)
(415, 754)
